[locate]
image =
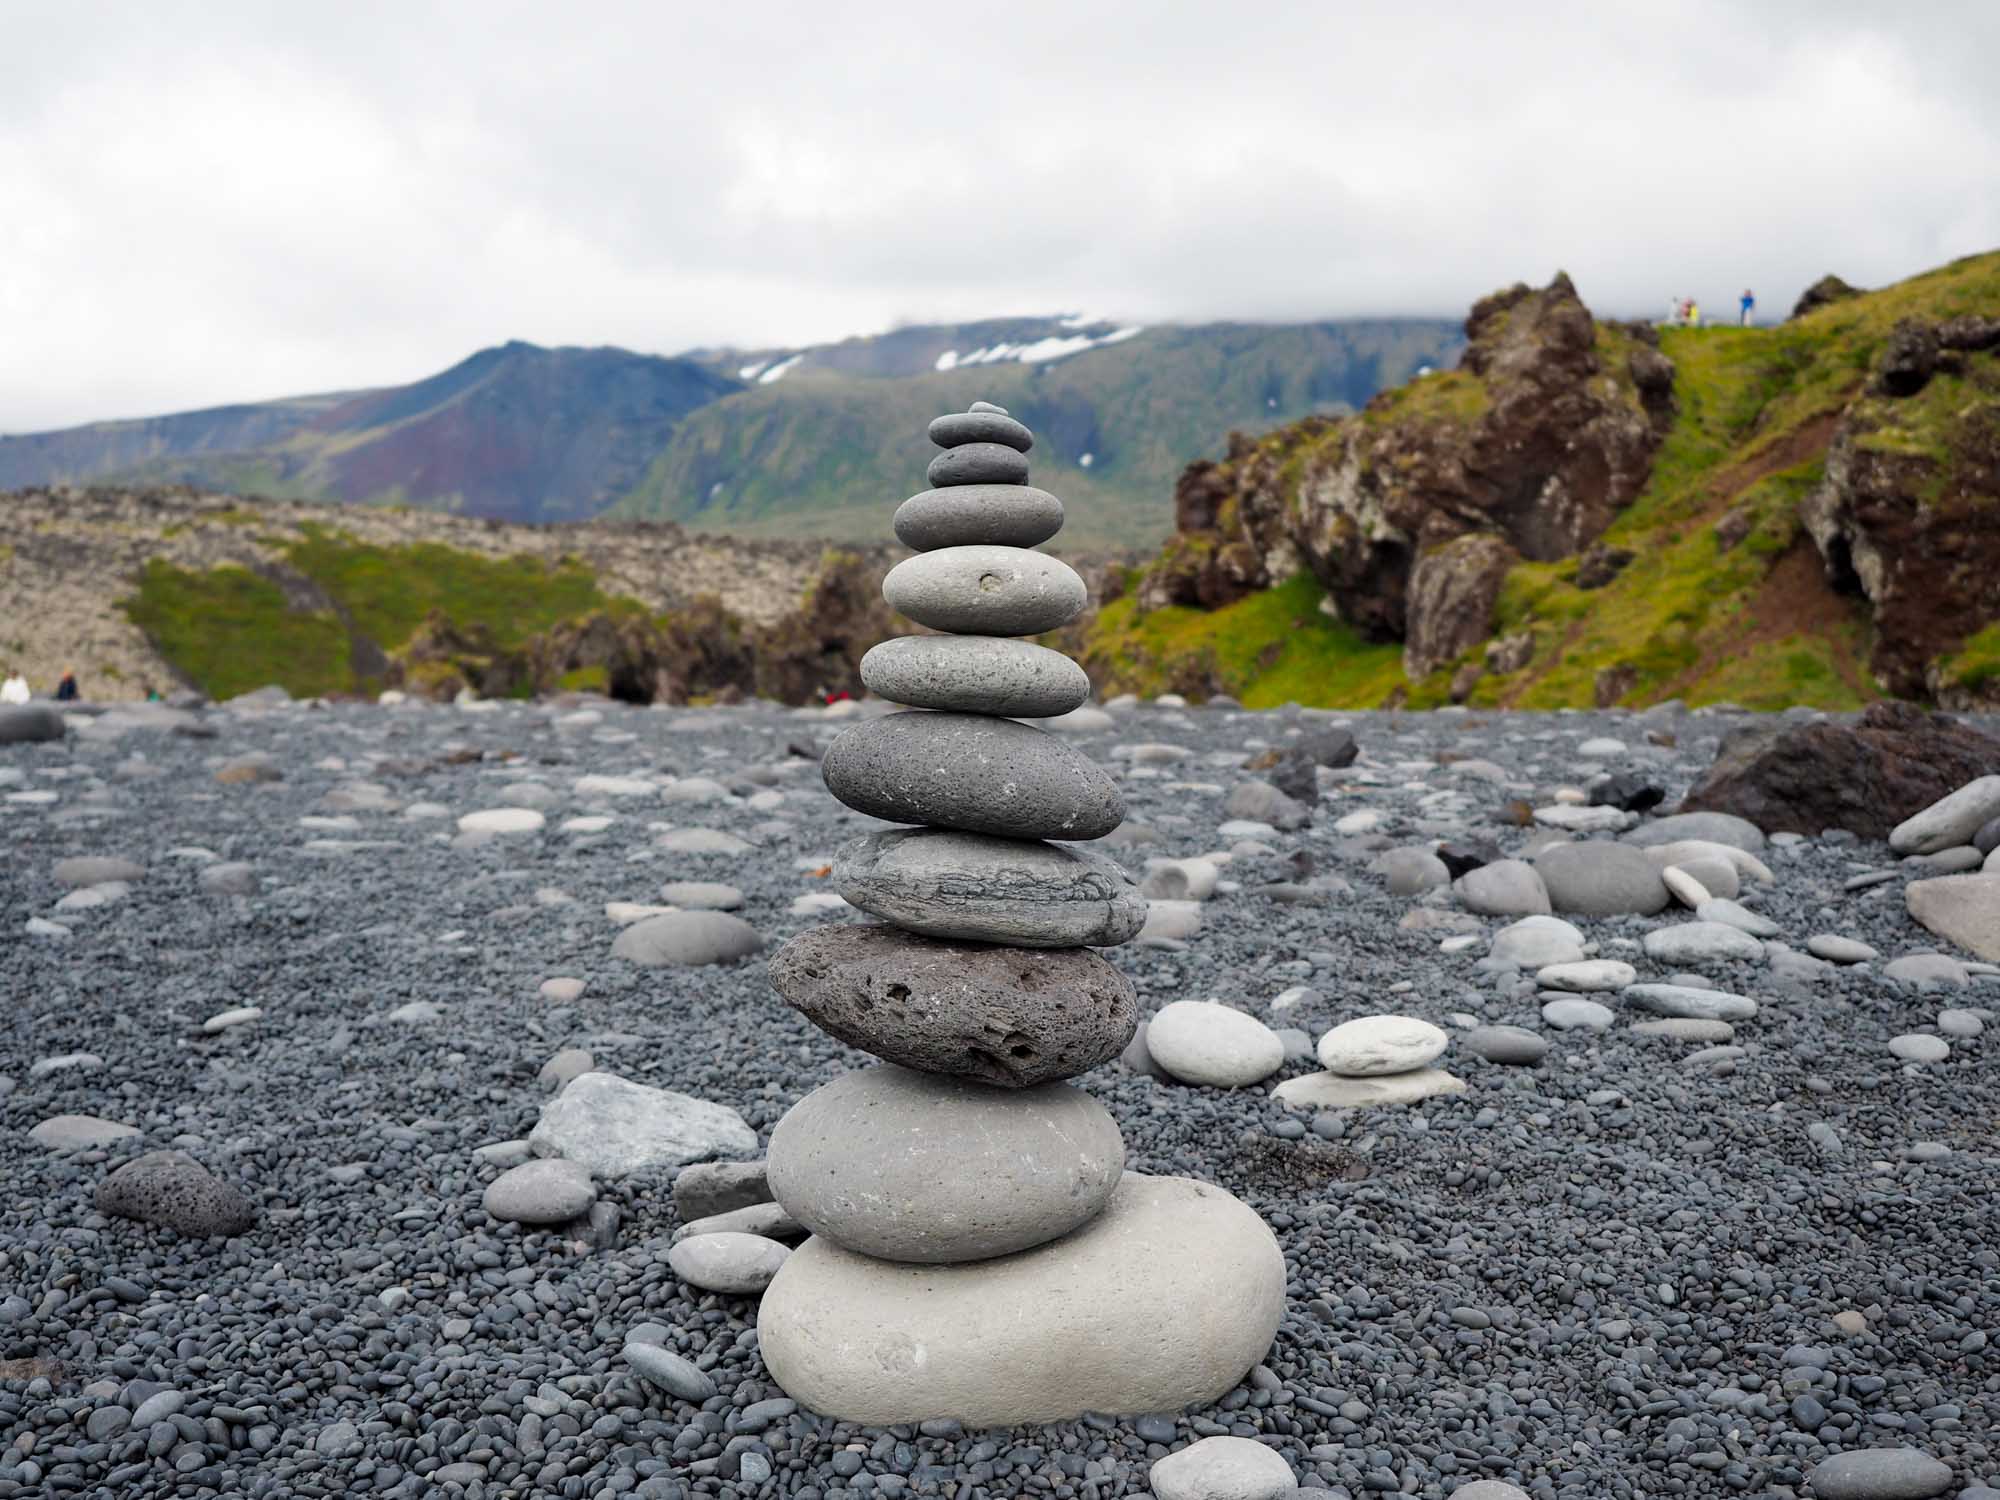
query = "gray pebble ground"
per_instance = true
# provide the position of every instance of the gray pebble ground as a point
(1642, 1266)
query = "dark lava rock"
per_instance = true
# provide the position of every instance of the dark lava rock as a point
(1330, 747)
(1010, 1017)
(1624, 790)
(1827, 289)
(1463, 855)
(28, 722)
(1909, 358)
(1866, 776)
(1600, 564)
(1297, 776)
(173, 1190)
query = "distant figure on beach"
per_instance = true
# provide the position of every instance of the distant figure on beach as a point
(1748, 305)
(66, 689)
(14, 689)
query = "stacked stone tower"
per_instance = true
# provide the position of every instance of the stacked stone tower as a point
(978, 1249)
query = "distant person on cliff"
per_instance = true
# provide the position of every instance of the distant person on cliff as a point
(1694, 313)
(1748, 305)
(66, 689)
(14, 689)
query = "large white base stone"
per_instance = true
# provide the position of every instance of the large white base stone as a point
(1165, 1299)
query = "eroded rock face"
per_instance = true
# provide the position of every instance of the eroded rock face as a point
(1904, 514)
(1866, 776)
(1451, 596)
(1556, 440)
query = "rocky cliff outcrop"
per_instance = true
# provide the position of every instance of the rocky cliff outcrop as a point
(1532, 447)
(1908, 513)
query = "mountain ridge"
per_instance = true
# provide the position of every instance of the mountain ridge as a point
(522, 433)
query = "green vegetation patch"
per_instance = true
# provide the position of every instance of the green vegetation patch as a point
(228, 631)
(1975, 666)
(1778, 674)
(388, 591)
(1270, 648)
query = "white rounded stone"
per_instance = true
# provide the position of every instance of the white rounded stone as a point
(1332, 1091)
(502, 820)
(984, 590)
(1587, 976)
(1222, 1468)
(1374, 1045)
(732, 1262)
(1198, 1041)
(1162, 1301)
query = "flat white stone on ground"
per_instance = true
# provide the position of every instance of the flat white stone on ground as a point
(1950, 821)
(1702, 942)
(1686, 889)
(1916, 1046)
(1730, 914)
(552, 1191)
(1577, 1015)
(1588, 976)
(502, 820)
(1222, 1468)
(223, 1020)
(1840, 950)
(1536, 942)
(614, 1127)
(1331, 1091)
(1684, 1000)
(1962, 909)
(1201, 1042)
(79, 1133)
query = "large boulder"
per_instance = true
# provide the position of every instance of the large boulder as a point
(28, 723)
(173, 1190)
(1162, 1301)
(1866, 776)
(1962, 909)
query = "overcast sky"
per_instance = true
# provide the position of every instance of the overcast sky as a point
(213, 202)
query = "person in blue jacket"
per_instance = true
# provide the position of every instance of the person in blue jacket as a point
(1748, 305)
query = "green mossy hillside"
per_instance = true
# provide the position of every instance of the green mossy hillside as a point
(1724, 598)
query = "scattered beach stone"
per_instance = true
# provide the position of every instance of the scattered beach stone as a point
(79, 1133)
(1536, 942)
(29, 723)
(668, 1371)
(1201, 1042)
(1684, 1000)
(1162, 1301)
(1686, 1029)
(1587, 976)
(173, 1190)
(1878, 1474)
(910, 1166)
(736, 1264)
(1512, 1045)
(1961, 909)
(1373, 1045)
(1916, 1046)
(1409, 872)
(1222, 1468)
(687, 939)
(1950, 821)
(707, 1188)
(1598, 878)
(1925, 969)
(1709, 827)
(1505, 888)
(1007, 1017)
(1702, 942)
(229, 878)
(550, 1191)
(89, 870)
(239, 1016)
(701, 895)
(1577, 1014)
(502, 821)
(1332, 1091)
(613, 1128)
(1741, 918)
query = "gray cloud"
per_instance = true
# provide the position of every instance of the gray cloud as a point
(209, 202)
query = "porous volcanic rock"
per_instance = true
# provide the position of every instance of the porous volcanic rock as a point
(1008, 1017)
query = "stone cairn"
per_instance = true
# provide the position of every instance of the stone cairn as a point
(978, 1250)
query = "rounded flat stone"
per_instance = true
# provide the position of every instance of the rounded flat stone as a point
(1515, 1046)
(1331, 1091)
(977, 674)
(1200, 1042)
(1002, 515)
(957, 428)
(550, 1191)
(1007, 1017)
(1689, 1002)
(172, 1189)
(908, 1166)
(1369, 1046)
(972, 773)
(1585, 976)
(731, 1262)
(984, 889)
(1600, 879)
(978, 463)
(1162, 1301)
(1696, 942)
(686, 938)
(986, 590)
(1879, 1474)
(1223, 1468)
